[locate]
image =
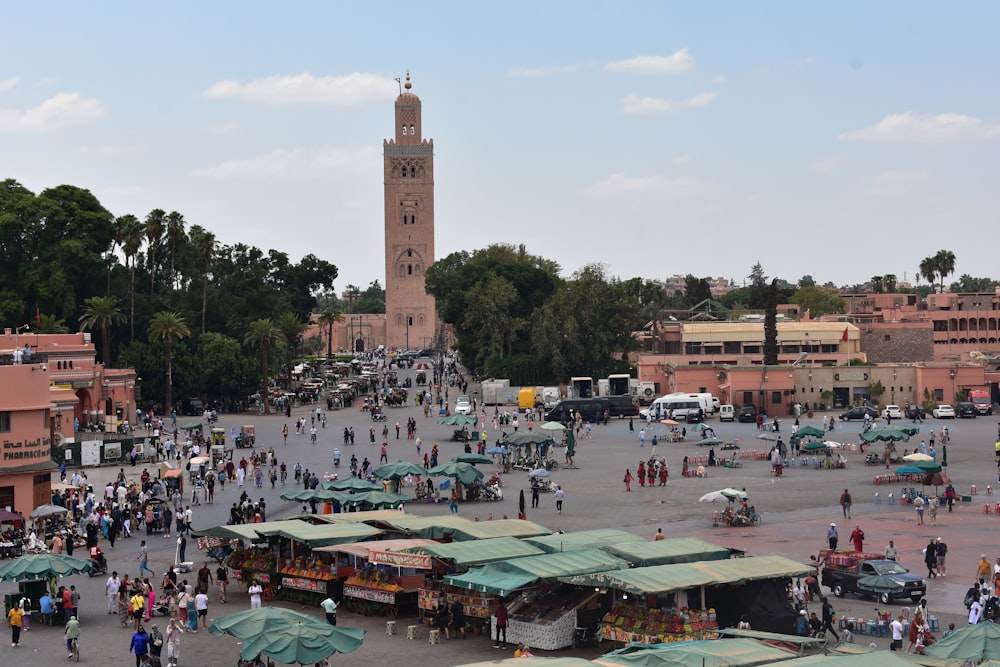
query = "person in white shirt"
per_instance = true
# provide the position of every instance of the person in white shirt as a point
(201, 604)
(255, 590)
(330, 608)
(111, 587)
(891, 552)
(897, 633)
(975, 612)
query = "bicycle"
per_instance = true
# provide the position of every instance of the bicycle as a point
(284, 476)
(74, 653)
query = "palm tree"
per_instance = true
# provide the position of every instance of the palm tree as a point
(928, 270)
(50, 324)
(262, 335)
(945, 262)
(168, 326)
(154, 234)
(327, 319)
(891, 282)
(130, 232)
(878, 284)
(102, 313)
(204, 249)
(291, 329)
(175, 232)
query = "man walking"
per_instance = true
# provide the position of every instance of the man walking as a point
(845, 503)
(330, 609)
(111, 587)
(642, 437)
(832, 537)
(828, 619)
(858, 538)
(891, 552)
(559, 495)
(500, 613)
(143, 559)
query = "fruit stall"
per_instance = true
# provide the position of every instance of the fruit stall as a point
(630, 623)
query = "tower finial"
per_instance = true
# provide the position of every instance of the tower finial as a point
(408, 85)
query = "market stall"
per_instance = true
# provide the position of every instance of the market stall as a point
(544, 617)
(741, 652)
(584, 539)
(463, 555)
(667, 552)
(379, 576)
(459, 528)
(683, 601)
(251, 558)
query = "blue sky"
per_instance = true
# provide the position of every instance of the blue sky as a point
(836, 139)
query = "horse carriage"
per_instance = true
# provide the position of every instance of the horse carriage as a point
(396, 398)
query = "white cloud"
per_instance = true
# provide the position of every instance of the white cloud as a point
(311, 164)
(617, 185)
(897, 182)
(634, 104)
(922, 128)
(679, 61)
(350, 90)
(540, 72)
(827, 164)
(58, 111)
(8, 84)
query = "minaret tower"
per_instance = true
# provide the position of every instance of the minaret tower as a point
(410, 317)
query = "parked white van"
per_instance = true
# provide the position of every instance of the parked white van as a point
(674, 406)
(727, 413)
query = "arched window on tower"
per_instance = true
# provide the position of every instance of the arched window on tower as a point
(409, 269)
(409, 252)
(404, 129)
(412, 132)
(404, 172)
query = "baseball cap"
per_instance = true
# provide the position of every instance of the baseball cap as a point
(834, 525)
(803, 612)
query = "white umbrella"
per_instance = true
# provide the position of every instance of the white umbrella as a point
(552, 426)
(47, 510)
(832, 445)
(917, 456)
(767, 436)
(668, 422)
(538, 473)
(713, 497)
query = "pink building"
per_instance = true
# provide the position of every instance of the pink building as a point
(26, 414)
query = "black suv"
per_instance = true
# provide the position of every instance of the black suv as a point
(747, 415)
(859, 413)
(966, 410)
(913, 410)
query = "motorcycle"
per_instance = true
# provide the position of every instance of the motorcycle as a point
(336, 458)
(99, 566)
(873, 460)
(493, 492)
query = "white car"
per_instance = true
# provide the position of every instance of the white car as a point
(943, 412)
(463, 405)
(892, 412)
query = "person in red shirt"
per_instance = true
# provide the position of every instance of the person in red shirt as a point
(500, 613)
(858, 538)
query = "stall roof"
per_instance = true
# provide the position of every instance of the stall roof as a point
(476, 552)
(369, 516)
(505, 576)
(362, 548)
(701, 653)
(925, 660)
(323, 535)
(244, 531)
(667, 552)
(459, 528)
(533, 662)
(873, 659)
(666, 578)
(585, 539)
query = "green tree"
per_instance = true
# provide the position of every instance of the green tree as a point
(326, 320)
(944, 262)
(488, 310)
(967, 284)
(696, 290)
(50, 324)
(102, 313)
(878, 284)
(226, 372)
(891, 283)
(154, 228)
(291, 329)
(263, 335)
(168, 327)
(203, 242)
(771, 325)
(131, 232)
(807, 281)
(175, 232)
(818, 300)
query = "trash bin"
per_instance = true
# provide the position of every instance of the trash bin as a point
(475, 435)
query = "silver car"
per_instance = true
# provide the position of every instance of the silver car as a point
(463, 405)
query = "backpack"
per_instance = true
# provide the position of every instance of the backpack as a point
(801, 627)
(971, 596)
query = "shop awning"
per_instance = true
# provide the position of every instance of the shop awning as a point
(459, 528)
(361, 549)
(701, 653)
(873, 659)
(533, 662)
(476, 552)
(244, 531)
(322, 535)
(503, 577)
(368, 516)
(916, 658)
(667, 578)
(585, 539)
(667, 552)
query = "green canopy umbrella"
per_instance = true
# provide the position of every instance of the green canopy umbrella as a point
(730, 492)
(926, 466)
(705, 442)
(375, 499)
(809, 432)
(886, 433)
(552, 426)
(458, 420)
(351, 484)
(287, 636)
(40, 566)
(570, 444)
(814, 446)
(909, 470)
(879, 583)
(472, 458)
(527, 438)
(972, 643)
(700, 426)
(398, 470)
(189, 424)
(466, 473)
(319, 495)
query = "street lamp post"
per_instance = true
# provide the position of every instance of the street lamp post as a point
(894, 386)
(409, 321)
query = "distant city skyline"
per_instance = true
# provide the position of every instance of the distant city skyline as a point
(839, 140)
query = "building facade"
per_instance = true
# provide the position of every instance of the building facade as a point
(408, 160)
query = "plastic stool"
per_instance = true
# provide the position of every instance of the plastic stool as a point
(411, 632)
(434, 637)
(989, 490)
(933, 622)
(972, 491)
(390, 627)
(878, 499)
(986, 508)
(892, 499)
(883, 629)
